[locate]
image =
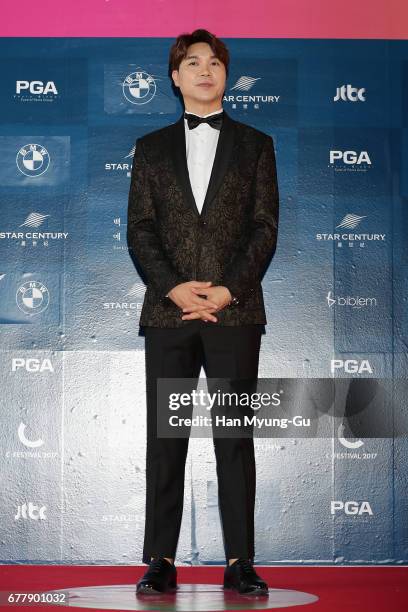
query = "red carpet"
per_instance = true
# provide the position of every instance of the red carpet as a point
(340, 589)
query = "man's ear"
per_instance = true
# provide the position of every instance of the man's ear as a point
(175, 75)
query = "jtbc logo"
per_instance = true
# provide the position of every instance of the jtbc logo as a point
(350, 157)
(351, 507)
(351, 366)
(36, 87)
(350, 93)
(30, 511)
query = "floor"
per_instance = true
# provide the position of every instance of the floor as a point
(339, 589)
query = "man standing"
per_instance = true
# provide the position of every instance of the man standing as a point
(202, 224)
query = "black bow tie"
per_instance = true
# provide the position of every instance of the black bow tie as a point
(214, 120)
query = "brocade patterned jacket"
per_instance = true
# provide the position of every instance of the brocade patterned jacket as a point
(230, 243)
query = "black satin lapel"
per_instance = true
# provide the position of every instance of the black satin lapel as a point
(222, 158)
(177, 150)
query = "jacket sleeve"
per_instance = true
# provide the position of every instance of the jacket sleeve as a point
(248, 266)
(142, 236)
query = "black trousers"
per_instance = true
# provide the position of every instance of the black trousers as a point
(179, 353)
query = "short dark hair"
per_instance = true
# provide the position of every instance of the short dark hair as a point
(178, 50)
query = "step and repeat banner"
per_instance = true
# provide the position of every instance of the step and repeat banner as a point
(72, 419)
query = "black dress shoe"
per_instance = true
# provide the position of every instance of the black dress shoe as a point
(160, 577)
(242, 577)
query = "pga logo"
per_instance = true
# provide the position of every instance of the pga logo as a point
(31, 365)
(351, 508)
(350, 157)
(36, 87)
(351, 366)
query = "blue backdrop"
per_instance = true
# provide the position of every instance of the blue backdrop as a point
(72, 417)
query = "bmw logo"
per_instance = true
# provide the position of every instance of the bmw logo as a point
(33, 160)
(32, 297)
(139, 87)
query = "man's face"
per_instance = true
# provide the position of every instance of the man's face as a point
(201, 76)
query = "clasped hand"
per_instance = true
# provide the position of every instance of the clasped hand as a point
(187, 297)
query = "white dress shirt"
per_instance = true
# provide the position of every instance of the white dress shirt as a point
(201, 145)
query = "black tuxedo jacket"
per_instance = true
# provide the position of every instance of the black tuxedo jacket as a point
(230, 243)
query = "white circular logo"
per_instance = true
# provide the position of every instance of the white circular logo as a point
(139, 87)
(32, 297)
(33, 160)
